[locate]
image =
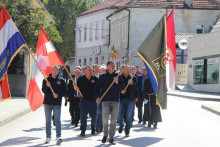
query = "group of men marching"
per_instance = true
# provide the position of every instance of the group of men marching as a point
(102, 93)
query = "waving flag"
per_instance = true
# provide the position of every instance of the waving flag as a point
(35, 95)
(11, 42)
(170, 53)
(47, 56)
(46, 49)
(152, 52)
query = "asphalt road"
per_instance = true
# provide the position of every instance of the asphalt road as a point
(184, 124)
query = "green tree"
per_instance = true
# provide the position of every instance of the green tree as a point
(65, 13)
(29, 17)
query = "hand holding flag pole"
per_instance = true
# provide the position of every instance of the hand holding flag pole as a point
(117, 76)
(74, 84)
(39, 67)
(134, 74)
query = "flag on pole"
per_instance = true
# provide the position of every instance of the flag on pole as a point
(11, 42)
(46, 49)
(4, 88)
(170, 53)
(152, 52)
(47, 56)
(35, 95)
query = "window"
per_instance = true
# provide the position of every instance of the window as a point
(103, 58)
(118, 64)
(97, 31)
(85, 33)
(91, 31)
(84, 61)
(79, 62)
(199, 31)
(213, 71)
(181, 55)
(97, 60)
(103, 28)
(121, 31)
(79, 35)
(90, 61)
(206, 71)
(198, 72)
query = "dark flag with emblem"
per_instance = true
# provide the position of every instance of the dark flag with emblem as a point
(153, 53)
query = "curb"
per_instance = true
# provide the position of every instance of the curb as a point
(14, 117)
(196, 98)
(210, 109)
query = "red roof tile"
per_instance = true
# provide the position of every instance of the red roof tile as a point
(108, 4)
(203, 4)
(209, 4)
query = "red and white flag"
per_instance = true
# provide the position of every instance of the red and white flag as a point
(170, 53)
(47, 56)
(4, 88)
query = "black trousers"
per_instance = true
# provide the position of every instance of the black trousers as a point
(139, 105)
(74, 111)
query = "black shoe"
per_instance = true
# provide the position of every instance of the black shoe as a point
(144, 122)
(120, 130)
(155, 125)
(82, 133)
(93, 131)
(76, 125)
(149, 125)
(104, 139)
(127, 135)
(112, 142)
(139, 121)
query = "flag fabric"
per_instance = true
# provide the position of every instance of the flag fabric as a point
(35, 95)
(152, 52)
(4, 88)
(47, 56)
(46, 49)
(170, 53)
(11, 42)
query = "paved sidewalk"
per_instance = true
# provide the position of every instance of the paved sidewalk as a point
(196, 95)
(214, 99)
(13, 108)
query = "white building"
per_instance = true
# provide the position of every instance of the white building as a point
(133, 23)
(203, 63)
(92, 33)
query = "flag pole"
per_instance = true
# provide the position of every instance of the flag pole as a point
(134, 74)
(118, 75)
(45, 78)
(74, 84)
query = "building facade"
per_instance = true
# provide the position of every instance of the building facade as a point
(141, 20)
(203, 62)
(92, 38)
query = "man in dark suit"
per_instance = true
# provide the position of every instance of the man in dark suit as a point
(74, 98)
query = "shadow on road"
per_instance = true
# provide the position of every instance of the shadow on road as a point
(34, 129)
(140, 128)
(139, 142)
(18, 141)
(134, 142)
